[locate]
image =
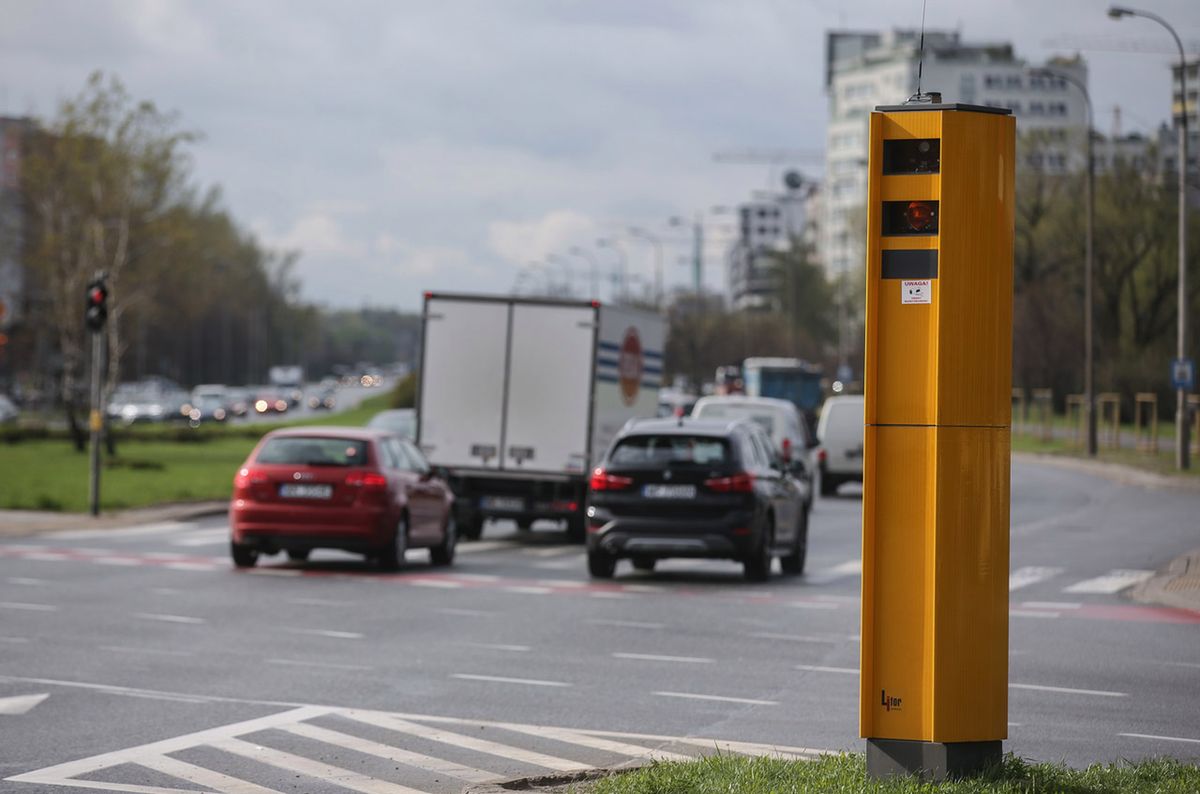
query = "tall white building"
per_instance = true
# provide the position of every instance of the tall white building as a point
(863, 70)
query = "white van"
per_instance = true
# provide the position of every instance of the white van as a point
(782, 421)
(840, 435)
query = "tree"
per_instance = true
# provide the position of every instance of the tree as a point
(99, 182)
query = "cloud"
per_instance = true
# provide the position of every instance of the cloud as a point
(520, 242)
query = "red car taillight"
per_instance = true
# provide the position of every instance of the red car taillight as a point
(245, 479)
(742, 482)
(603, 481)
(371, 485)
(821, 455)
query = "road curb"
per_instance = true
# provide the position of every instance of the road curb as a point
(1115, 472)
(544, 782)
(17, 523)
(1178, 586)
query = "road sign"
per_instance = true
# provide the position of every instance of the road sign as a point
(1183, 374)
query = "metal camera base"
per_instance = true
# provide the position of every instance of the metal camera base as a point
(931, 761)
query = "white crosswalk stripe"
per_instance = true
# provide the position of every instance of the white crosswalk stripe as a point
(1032, 574)
(832, 574)
(1112, 582)
(258, 744)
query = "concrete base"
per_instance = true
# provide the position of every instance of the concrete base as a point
(933, 761)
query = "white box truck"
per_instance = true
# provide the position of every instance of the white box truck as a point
(520, 397)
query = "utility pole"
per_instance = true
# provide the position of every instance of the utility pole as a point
(96, 316)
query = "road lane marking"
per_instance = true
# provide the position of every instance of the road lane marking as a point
(126, 532)
(463, 741)
(1070, 691)
(717, 698)
(317, 769)
(1033, 613)
(215, 781)
(21, 704)
(191, 566)
(609, 594)
(483, 545)
(813, 604)
(626, 624)
(815, 668)
(1183, 664)
(552, 552)
(326, 665)
(1161, 738)
(477, 577)
(1024, 577)
(27, 581)
(186, 619)
(369, 747)
(149, 694)
(1052, 604)
(143, 651)
(46, 556)
(337, 635)
(595, 742)
(527, 589)
(767, 635)
(273, 571)
(468, 613)
(15, 640)
(28, 607)
(561, 583)
(440, 583)
(319, 602)
(644, 588)
(117, 561)
(503, 680)
(1112, 582)
(650, 657)
(832, 574)
(496, 646)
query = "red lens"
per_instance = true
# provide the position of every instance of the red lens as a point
(603, 481)
(920, 216)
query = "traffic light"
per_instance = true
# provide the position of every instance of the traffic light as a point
(96, 313)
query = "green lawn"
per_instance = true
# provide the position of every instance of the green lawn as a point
(847, 773)
(153, 465)
(1161, 463)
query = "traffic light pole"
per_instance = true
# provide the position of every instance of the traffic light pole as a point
(94, 423)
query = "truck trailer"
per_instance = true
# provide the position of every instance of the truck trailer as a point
(519, 398)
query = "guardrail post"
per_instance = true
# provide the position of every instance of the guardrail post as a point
(1043, 410)
(1109, 406)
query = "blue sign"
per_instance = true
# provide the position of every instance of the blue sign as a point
(1183, 374)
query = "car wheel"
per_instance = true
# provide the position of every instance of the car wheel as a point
(601, 565)
(757, 567)
(243, 556)
(525, 524)
(443, 553)
(391, 558)
(644, 563)
(473, 528)
(298, 555)
(794, 562)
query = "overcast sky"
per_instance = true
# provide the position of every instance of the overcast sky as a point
(401, 146)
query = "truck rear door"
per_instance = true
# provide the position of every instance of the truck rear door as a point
(462, 382)
(551, 352)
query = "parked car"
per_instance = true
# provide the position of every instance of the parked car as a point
(840, 435)
(8, 410)
(401, 421)
(782, 421)
(149, 400)
(695, 488)
(355, 489)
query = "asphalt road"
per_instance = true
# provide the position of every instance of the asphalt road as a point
(137, 659)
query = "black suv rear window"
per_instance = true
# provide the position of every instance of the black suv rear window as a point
(314, 451)
(651, 450)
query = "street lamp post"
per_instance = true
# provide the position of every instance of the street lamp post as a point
(1181, 419)
(565, 264)
(594, 263)
(656, 241)
(623, 261)
(1089, 349)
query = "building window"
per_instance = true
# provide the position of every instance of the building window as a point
(1037, 109)
(1057, 108)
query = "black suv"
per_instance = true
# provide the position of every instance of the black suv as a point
(695, 488)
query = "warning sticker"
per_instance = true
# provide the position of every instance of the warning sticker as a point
(918, 291)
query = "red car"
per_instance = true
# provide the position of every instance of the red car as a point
(356, 489)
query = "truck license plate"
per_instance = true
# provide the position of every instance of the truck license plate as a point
(669, 491)
(305, 491)
(512, 503)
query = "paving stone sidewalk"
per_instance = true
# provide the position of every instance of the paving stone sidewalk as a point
(15, 523)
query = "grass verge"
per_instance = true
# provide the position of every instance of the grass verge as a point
(1162, 462)
(847, 773)
(154, 464)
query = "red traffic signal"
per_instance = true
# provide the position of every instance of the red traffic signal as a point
(96, 311)
(921, 216)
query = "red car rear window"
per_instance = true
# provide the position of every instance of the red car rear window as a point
(314, 451)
